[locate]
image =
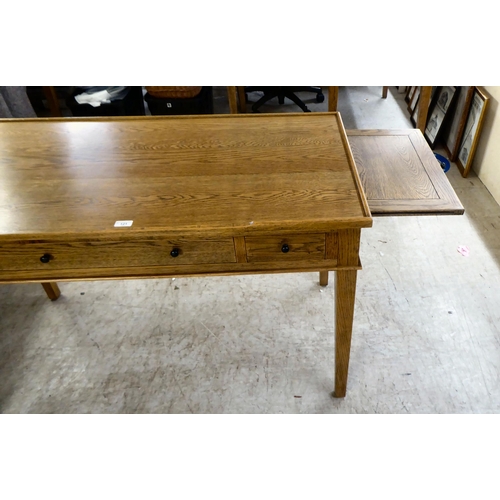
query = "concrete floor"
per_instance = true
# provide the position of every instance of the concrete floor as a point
(426, 336)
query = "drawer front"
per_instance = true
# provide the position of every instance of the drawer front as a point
(285, 247)
(132, 253)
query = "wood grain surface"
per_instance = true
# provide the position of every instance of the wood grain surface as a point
(345, 287)
(233, 174)
(400, 174)
(143, 272)
(299, 247)
(124, 252)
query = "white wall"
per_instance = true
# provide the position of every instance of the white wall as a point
(486, 161)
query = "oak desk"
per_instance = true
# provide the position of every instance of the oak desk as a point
(206, 195)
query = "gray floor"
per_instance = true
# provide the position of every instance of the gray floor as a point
(426, 336)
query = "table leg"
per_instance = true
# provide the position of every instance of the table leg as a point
(233, 100)
(384, 92)
(242, 100)
(52, 290)
(323, 278)
(333, 98)
(51, 96)
(345, 292)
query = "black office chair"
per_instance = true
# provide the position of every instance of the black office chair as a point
(281, 93)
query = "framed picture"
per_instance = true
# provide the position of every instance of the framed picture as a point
(441, 102)
(454, 132)
(409, 93)
(414, 99)
(472, 130)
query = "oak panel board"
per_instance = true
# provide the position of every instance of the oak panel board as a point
(400, 174)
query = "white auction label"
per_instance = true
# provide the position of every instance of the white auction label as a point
(123, 223)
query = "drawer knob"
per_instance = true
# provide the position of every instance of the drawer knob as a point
(174, 252)
(45, 258)
(285, 248)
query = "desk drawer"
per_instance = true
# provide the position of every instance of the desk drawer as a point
(121, 253)
(285, 247)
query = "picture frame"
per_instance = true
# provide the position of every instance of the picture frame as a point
(453, 133)
(441, 103)
(414, 114)
(414, 100)
(409, 93)
(472, 130)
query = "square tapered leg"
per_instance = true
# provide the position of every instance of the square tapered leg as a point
(345, 292)
(52, 290)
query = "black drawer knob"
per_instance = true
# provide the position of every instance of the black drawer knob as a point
(285, 248)
(174, 252)
(45, 258)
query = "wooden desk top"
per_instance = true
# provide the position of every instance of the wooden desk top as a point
(400, 174)
(220, 174)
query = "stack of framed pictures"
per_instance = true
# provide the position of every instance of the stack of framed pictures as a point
(455, 119)
(413, 100)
